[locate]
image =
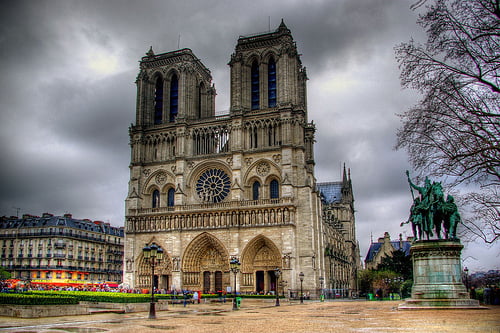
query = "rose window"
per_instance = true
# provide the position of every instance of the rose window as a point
(213, 186)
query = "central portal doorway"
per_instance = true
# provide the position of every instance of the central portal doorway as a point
(206, 282)
(259, 278)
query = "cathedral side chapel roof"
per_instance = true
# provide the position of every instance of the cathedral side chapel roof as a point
(330, 192)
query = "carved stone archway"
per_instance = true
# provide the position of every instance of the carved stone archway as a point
(163, 273)
(205, 265)
(259, 260)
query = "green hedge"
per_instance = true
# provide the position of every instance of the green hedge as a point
(112, 297)
(98, 296)
(25, 299)
(260, 296)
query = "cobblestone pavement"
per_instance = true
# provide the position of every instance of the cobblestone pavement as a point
(263, 316)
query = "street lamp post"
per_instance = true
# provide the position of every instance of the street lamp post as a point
(153, 254)
(321, 279)
(235, 268)
(301, 277)
(283, 285)
(466, 270)
(400, 281)
(277, 272)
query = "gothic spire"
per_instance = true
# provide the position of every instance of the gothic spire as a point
(150, 53)
(344, 177)
(283, 28)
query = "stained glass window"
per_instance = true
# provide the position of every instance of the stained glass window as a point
(171, 197)
(255, 190)
(213, 186)
(158, 101)
(274, 189)
(174, 97)
(255, 86)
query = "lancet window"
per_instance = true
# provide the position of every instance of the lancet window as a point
(171, 197)
(271, 83)
(255, 190)
(174, 97)
(274, 189)
(155, 199)
(255, 86)
(158, 103)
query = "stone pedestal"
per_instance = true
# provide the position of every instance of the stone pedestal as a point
(437, 277)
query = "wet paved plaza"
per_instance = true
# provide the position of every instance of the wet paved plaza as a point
(263, 316)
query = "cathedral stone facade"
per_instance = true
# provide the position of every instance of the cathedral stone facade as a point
(210, 188)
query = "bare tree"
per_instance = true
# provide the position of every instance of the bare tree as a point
(454, 130)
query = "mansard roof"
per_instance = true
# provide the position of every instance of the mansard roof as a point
(397, 245)
(49, 220)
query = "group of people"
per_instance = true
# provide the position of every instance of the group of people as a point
(491, 295)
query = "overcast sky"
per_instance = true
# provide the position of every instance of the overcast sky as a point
(67, 97)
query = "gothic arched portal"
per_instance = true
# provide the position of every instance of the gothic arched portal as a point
(162, 276)
(259, 260)
(205, 265)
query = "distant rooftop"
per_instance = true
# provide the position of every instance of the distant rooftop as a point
(402, 245)
(49, 220)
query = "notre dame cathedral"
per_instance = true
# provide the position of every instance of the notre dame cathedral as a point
(211, 188)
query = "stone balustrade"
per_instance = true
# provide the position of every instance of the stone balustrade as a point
(266, 212)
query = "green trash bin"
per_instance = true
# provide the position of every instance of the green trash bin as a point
(370, 297)
(238, 302)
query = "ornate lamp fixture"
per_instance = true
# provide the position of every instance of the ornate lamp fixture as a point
(277, 273)
(153, 254)
(301, 277)
(235, 268)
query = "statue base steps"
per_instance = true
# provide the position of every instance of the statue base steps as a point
(436, 304)
(437, 277)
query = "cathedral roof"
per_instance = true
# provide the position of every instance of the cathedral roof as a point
(330, 192)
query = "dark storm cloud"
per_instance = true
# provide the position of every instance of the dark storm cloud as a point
(67, 94)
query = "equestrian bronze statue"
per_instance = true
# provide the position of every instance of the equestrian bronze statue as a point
(430, 212)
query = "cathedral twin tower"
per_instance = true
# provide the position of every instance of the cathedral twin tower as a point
(209, 189)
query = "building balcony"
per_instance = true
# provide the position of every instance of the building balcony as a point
(59, 233)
